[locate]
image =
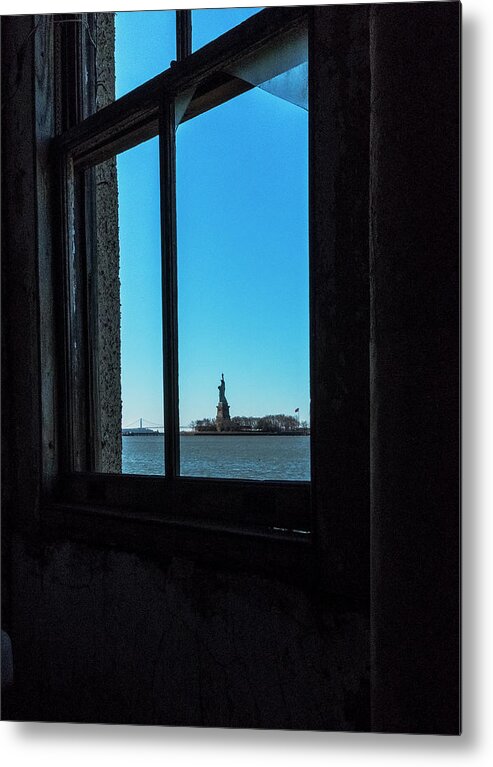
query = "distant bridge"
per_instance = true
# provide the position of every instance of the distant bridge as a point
(143, 426)
(142, 423)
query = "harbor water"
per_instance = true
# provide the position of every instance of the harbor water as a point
(258, 457)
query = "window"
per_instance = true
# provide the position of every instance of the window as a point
(242, 251)
(127, 309)
(133, 192)
(215, 517)
(209, 23)
(145, 45)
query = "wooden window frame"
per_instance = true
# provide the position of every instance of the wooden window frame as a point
(294, 533)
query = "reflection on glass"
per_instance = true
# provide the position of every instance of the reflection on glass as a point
(129, 312)
(280, 69)
(207, 24)
(145, 44)
(242, 226)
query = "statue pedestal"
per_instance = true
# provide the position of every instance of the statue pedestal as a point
(223, 420)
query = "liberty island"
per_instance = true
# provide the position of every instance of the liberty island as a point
(224, 424)
(285, 458)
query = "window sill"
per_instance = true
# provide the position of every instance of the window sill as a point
(230, 502)
(270, 552)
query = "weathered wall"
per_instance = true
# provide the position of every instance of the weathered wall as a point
(21, 407)
(107, 265)
(415, 387)
(106, 636)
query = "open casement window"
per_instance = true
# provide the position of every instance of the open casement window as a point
(279, 57)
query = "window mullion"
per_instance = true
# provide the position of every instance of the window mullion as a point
(169, 282)
(183, 34)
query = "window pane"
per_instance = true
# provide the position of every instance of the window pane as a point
(131, 47)
(242, 213)
(207, 24)
(145, 45)
(127, 276)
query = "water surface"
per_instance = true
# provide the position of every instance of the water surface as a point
(242, 457)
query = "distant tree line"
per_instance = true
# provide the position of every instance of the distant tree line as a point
(268, 424)
(204, 424)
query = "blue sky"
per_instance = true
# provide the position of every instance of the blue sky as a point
(242, 225)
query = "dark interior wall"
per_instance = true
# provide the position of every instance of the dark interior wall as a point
(415, 387)
(107, 636)
(21, 420)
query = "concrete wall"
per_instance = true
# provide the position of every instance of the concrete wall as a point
(108, 636)
(108, 265)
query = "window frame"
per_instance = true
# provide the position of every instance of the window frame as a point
(148, 111)
(335, 555)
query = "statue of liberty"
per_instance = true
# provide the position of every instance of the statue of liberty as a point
(222, 389)
(223, 419)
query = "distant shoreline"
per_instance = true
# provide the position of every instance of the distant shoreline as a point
(301, 433)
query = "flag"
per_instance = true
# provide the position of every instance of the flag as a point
(297, 410)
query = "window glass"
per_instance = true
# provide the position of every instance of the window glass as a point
(209, 23)
(128, 312)
(242, 227)
(145, 44)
